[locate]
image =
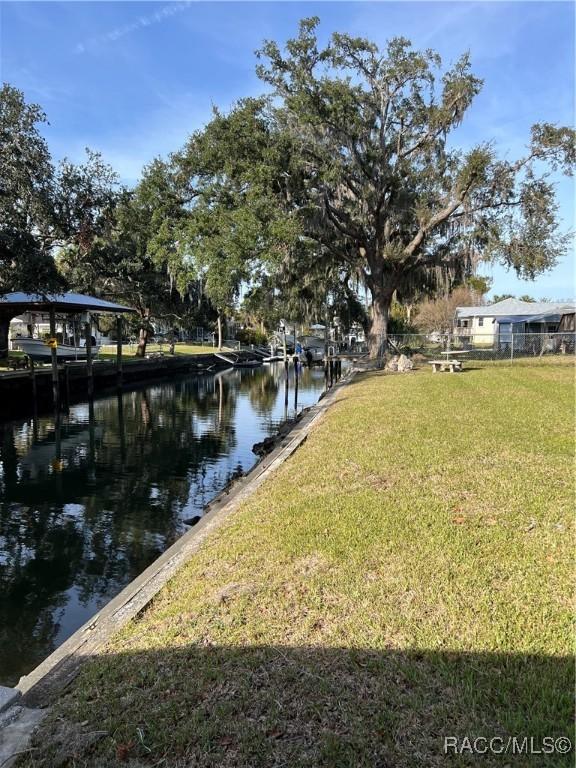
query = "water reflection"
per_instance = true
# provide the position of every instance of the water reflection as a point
(90, 498)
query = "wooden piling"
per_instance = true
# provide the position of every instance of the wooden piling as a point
(34, 401)
(119, 351)
(54, 358)
(89, 371)
(296, 367)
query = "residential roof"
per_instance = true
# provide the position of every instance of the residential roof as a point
(61, 302)
(514, 307)
(548, 317)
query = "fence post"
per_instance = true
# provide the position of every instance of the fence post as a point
(511, 346)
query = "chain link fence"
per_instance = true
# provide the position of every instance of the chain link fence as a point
(466, 344)
(487, 347)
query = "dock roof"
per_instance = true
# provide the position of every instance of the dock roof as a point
(68, 303)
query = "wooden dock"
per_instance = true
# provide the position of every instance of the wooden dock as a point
(23, 390)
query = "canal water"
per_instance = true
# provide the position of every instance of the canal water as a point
(88, 501)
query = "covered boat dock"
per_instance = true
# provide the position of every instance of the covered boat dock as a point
(64, 305)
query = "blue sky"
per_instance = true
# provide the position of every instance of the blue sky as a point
(134, 79)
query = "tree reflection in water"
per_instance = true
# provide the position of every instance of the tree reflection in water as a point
(90, 498)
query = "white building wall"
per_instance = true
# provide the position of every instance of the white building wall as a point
(483, 329)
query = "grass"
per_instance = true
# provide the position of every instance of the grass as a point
(181, 348)
(417, 587)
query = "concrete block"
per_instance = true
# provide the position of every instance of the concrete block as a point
(8, 696)
(16, 729)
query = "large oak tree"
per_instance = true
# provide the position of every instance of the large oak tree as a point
(381, 186)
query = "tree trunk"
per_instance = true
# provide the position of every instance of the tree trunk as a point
(219, 331)
(4, 334)
(377, 335)
(144, 333)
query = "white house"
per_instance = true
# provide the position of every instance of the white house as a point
(498, 322)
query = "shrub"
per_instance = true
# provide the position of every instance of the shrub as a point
(251, 336)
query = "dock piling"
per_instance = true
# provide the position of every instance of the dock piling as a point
(89, 371)
(54, 358)
(296, 368)
(119, 352)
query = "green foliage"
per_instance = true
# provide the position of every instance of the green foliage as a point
(261, 304)
(233, 224)
(84, 202)
(251, 336)
(135, 259)
(479, 284)
(345, 176)
(555, 145)
(501, 297)
(49, 216)
(27, 223)
(399, 322)
(74, 227)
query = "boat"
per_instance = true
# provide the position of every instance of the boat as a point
(316, 346)
(37, 349)
(235, 361)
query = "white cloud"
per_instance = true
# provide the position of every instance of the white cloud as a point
(166, 12)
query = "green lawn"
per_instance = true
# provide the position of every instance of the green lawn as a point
(109, 351)
(417, 586)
